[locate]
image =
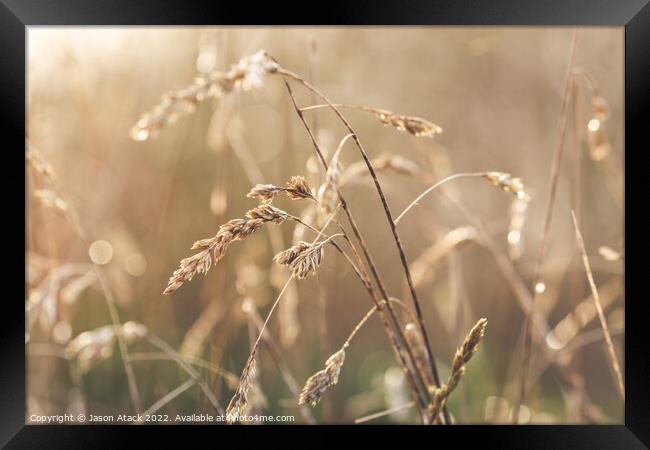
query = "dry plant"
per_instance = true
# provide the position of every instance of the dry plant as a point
(304, 258)
(599, 308)
(213, 249)
(461, 358)
(332, 213)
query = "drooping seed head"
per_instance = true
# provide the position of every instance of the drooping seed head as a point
(239, 402)
(507, 183)
(249, 73)
(215, 248)
(298, 189)
(413, 125)
(328, 193)
(289, 255)
(264, 192)
(267, 213)
(318, 383)
(303, 259)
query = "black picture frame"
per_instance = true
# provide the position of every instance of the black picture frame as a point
(633, 15)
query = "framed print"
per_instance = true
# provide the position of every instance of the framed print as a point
(374, 218)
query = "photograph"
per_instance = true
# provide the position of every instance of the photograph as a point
(318, 225)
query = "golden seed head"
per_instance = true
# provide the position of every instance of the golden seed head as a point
(239, 402)
(249, 73)
(264, 192)
(215, 248)
(507, 183)
(298, 189)
(413, 125)
(303, 259)
(318, 383)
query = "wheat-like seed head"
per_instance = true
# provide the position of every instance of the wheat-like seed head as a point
(413, 125)
(239, 402)
(215, 248)
(298, 188)
(303, 259)
(469, 346)
(264, 192)
(267, 213)
(318, 383)
(249, 73)
(462, 356)
(507, 183)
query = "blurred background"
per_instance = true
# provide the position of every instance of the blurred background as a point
(133, 209)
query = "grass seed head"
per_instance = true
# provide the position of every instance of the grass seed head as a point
(318, 383)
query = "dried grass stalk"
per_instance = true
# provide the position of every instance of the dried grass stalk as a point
(599, 308)
(461, 358)
(249, 73)
(215, 248)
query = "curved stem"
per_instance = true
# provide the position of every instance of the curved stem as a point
(391, 222)
(435, 186)
(330, 240)
(166, 348)
(553, 183)
(599, 308)
(410, 374)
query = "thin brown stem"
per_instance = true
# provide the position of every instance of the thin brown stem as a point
(169, 397)
(405, 366)
(278, 359)
(391, 222)
(166, 348)
(553, 183)
(435, 186)
(363, 277)
(599, 308)
(383, 413)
